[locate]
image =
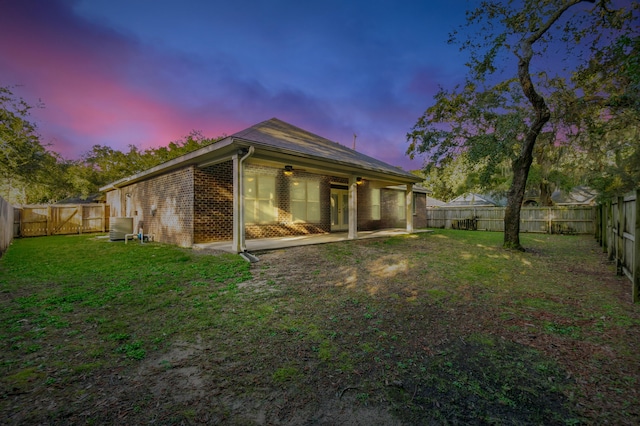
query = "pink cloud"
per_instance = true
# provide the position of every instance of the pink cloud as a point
(101, 86)
(69, 64)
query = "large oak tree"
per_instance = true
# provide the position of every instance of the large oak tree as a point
(522, 55)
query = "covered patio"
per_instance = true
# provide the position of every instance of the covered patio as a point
(263, 244)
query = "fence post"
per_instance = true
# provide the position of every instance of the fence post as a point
(620, 239)
(635, 273)
(611, 222)
(49, 220)
(81, 210)
(597, 228)
(104, 217)
(603, 226)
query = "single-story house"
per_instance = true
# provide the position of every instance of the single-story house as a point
(270, 180)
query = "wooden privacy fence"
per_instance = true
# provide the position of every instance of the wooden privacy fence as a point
(59, 219)
(550, 220)
(618, 233)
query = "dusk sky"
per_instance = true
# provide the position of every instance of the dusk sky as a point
(147, 72)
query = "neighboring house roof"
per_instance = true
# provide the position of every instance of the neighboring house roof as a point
(580, 196)
(278, 142)
(434, 202)
(93, 198)
(472, 199)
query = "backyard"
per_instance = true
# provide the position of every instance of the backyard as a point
(436, 328)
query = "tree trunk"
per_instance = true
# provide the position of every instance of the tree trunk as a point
(520, 167)
(545, 193)
(522, 163)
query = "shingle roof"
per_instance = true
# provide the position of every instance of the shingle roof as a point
(277, 136)
(472, 199)
(282, 136)
(580, 195)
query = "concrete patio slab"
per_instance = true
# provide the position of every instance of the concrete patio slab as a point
(262, 244)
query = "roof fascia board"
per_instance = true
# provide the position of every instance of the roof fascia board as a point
(326, 168)
(194, 157)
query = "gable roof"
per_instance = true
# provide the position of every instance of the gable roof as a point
(279, 142)
(434, 202)
(580, 195)
(472, 199)
(275, 134)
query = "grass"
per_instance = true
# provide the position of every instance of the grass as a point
(445, 327)
(103, 299)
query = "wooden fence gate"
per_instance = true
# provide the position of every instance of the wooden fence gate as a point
(59, 219)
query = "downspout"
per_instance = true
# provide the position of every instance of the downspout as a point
(240, 244)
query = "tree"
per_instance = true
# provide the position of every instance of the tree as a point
(610, 133)
(499, 112)
(22, 156)
(33, 174)
(103, 164)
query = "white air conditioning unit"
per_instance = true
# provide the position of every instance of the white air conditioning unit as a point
(120, 226)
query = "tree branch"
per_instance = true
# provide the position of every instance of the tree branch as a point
(530, 41)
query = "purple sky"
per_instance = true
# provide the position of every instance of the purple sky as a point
(146, 72)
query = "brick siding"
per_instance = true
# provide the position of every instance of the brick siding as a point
(420, 218)
(162, 206)
(193, 205)
(213, 205)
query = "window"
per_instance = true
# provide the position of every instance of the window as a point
(402, 212)
(375, 204)
(259, 198)
(305, 200)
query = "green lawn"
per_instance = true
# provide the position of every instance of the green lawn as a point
(444, 327)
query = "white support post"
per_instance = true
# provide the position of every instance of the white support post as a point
(409, 207)
(353, 208)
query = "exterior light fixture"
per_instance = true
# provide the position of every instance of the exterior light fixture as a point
(359, 180)
(288, 170)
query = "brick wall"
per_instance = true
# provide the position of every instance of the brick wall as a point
(213, 205)
(194, 205)
(420, 218)
(365, 219)
(162, 206)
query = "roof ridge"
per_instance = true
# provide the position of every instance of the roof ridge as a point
(310, 133)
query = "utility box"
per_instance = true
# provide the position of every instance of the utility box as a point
(120, 226)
